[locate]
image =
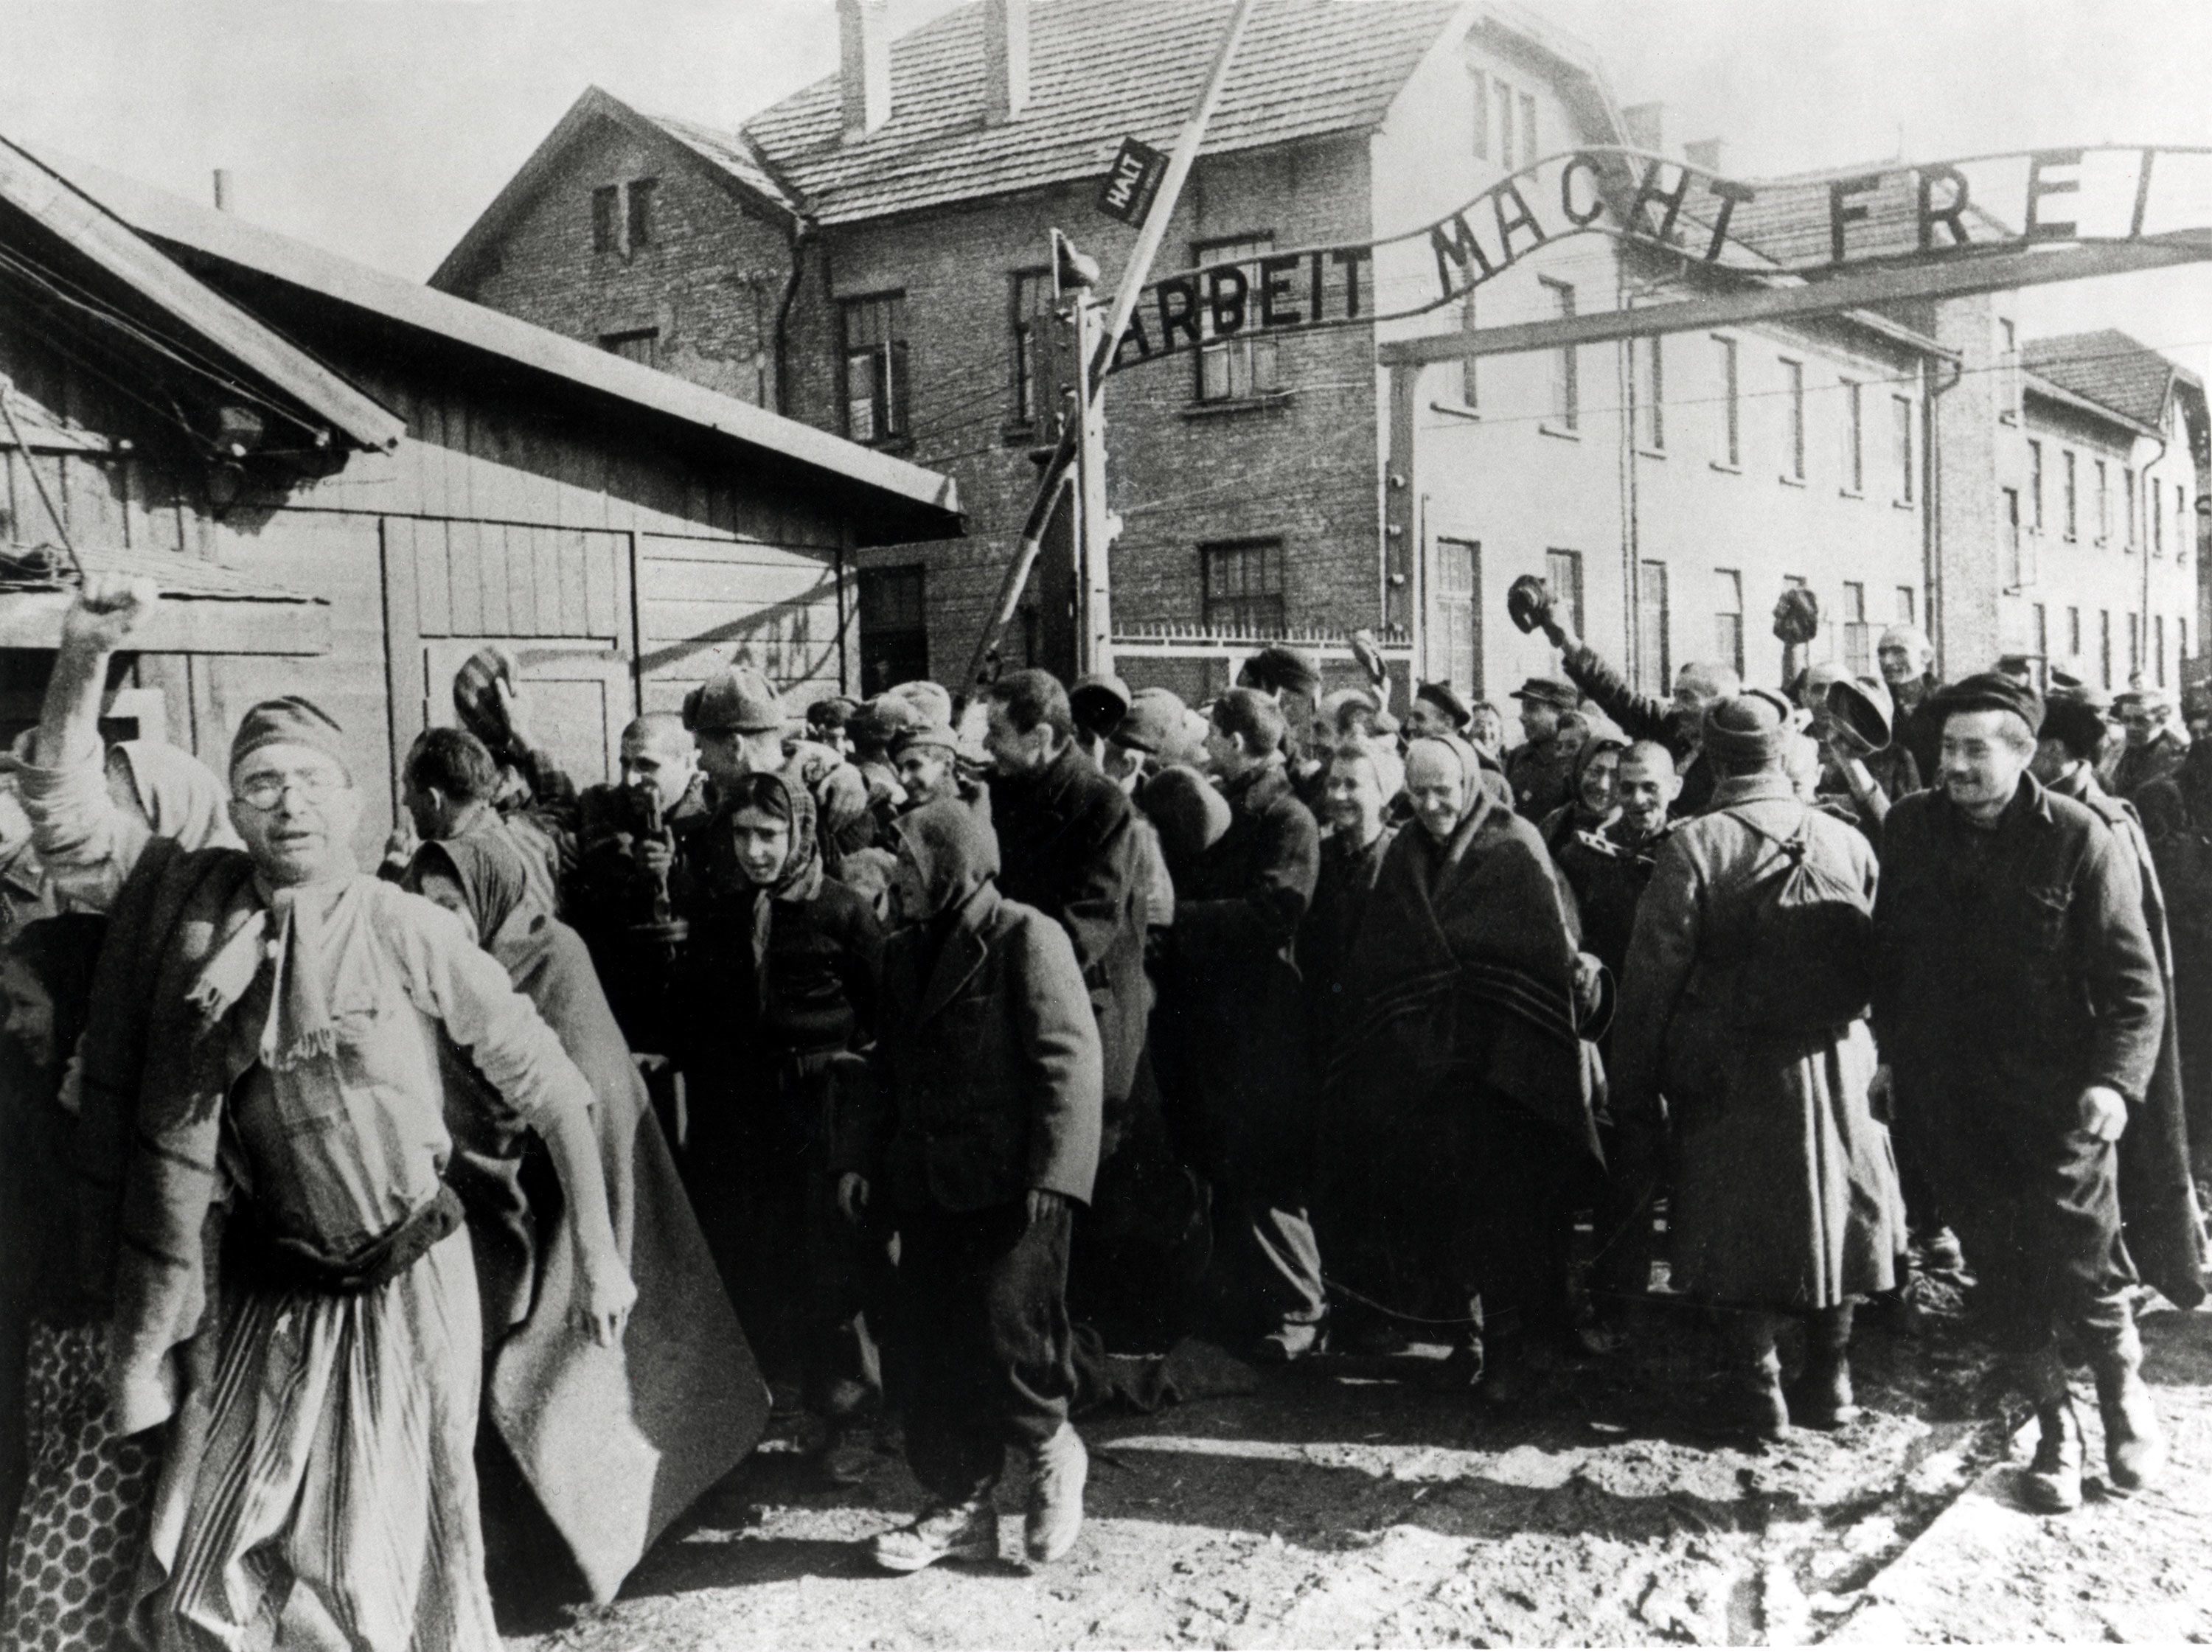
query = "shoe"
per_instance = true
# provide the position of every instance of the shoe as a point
(945, 1531)
(1056, 1480)
(1292, 1342)
(1762, 1409)
(1821, 1396)
(848, 1454)
(2053, 1482)
(1940, 1253)
(2134, 1444)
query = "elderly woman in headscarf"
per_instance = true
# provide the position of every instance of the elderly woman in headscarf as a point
(778, 984)
(613, 1443)
(84, 1490)
(1463, 1065)
(154, 791)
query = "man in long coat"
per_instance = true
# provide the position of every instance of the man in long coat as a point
(2021, 1013)
(1232, 1046)
(1785, 1189)
(2177, 814)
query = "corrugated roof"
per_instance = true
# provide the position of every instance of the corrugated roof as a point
(2105, 367)
(227, 237)
(1099, 69)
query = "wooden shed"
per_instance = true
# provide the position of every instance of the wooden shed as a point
(350, 482)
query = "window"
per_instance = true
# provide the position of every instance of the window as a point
(2035, 486)
(1907, 603)
(606, 219)
(1458, 634)
(1854, 439)
(2158, 649)
(642, 345)
(1031, 307)
(875, 367)
(1241, 366)
(1566, 392)
(1731, 431)
(894, 633)
(1527, 129)
(1243, 586)
(1502, 97)
(2104, 646)
(1728, 617)
(1900, 409)
(1563, 572)
(1481, 109)
(2015, 565)
(1793, 452)
(1653, 673)
(2181, 640)
(2104, 502)
(2180, 521)
(2042, 642)
(1858, 644)
(2009, 366)
(2135, 646)
(1650, 389)
(2128, 505)
(641, 192)
(2074, 633)
(2066, 470)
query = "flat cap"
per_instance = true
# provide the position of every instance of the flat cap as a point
(1280, 669)
(835, 712)
(2077, 725)
(1991, 691)
(1443, 696)
(740, 698)
(917, 736)
(1550, 691)
(1153, 724)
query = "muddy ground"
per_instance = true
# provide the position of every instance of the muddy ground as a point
(1353, 1502)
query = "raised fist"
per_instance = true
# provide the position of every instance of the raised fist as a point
(109, 608)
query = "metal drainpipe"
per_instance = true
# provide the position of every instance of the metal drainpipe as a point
(800, 235)
(2142, 618)
(1931, 534)
(1624, 398)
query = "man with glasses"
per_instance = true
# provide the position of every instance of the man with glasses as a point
(262, 1061)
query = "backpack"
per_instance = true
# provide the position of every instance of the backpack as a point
(1806, 964)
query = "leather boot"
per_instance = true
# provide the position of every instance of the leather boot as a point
(1821, 1396)
(2134, 1444)
(1755, 1369)
(2053, 1482)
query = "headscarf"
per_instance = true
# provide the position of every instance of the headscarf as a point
(60, 953)
(181, 796)
(494, 876)
(1473, 793)
(1379, 755)
(1600, 739)
(774, 795)
(954, 853)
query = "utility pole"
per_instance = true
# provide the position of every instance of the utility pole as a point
(1061, 465)
(1095, 527)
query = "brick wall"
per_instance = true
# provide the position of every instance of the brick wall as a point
(709, 283)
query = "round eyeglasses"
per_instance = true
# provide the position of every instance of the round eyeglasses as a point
(265, 792)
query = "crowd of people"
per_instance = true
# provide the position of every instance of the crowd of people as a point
(919, 1073)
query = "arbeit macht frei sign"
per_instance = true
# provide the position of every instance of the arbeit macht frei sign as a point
(1792, 232)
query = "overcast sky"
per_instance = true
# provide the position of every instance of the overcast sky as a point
(380, 128)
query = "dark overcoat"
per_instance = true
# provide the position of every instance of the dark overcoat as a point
(2181, 840)
(2012, 971)
(985, 1075)
(1067, 846)
(1232, 1046)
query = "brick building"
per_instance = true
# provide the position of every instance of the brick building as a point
(870, 256)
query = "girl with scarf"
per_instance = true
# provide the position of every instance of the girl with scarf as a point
(778, 984)
(84, 1490)
(1462, 1075)
(612, 1443)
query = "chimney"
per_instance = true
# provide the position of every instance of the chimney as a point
(1703, 152)
(1005, 60)
(1647, 126)
(864, 65)
(224, 195)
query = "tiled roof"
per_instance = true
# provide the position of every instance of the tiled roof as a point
(729, 153)
(2107, 367)
(1788, 220)
(1099, 69)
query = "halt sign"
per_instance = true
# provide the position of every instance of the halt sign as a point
(1132, 181)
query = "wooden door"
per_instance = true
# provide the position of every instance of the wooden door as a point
(578, 698)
